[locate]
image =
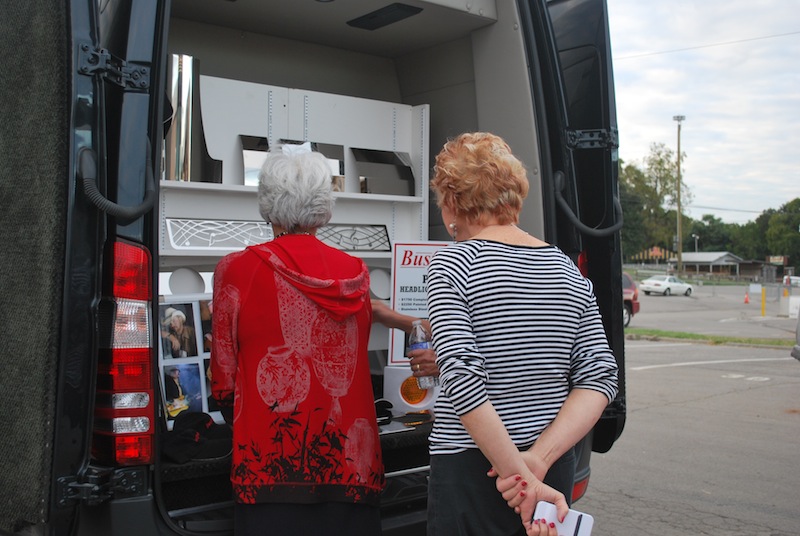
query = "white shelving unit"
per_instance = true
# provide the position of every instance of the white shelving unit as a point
(201, 221)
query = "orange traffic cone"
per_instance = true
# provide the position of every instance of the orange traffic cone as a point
(746, 297)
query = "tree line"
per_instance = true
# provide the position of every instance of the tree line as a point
(649, 199)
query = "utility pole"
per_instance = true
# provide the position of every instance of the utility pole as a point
(679, 118)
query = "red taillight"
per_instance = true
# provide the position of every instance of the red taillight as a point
(128, 369)
(136, 449)
(583, 263)
(579, 489)
(131, 272)
(124, 411)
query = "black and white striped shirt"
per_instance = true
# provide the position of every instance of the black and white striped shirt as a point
(515, 325)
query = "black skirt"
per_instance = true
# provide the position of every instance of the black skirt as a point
(463, 501)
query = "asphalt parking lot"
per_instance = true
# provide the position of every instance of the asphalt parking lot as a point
(709, 445)
(720, 311)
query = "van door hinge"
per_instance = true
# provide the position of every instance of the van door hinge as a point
(98, 486)
(93, 60)
(593, 139)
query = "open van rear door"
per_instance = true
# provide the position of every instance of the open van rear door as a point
(47, 268)
(585, 169)
(74, 187)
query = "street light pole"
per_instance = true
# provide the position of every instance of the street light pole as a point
(696, 238)
(679, 118)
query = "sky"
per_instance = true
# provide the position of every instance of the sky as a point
(732, 68)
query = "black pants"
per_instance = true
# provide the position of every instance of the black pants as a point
(463, 501)
(319, 519)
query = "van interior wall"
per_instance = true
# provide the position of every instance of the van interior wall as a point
(477, 82)
(442, 76)
(33, 91)
(503, 94)
(263, 59)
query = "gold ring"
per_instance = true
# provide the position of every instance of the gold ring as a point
(418, 367)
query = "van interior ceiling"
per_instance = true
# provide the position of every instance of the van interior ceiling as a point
(384, 29)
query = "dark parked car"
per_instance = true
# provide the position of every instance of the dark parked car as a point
(630, 298)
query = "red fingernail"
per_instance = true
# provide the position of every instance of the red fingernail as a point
(552, 525)
(521, 493)
(524, 483)
(518, 478)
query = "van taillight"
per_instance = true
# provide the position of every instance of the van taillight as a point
(132, 277)
(579, 489)
(124, 409)
(583, 263)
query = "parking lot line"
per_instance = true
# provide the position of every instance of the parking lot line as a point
(719, 361)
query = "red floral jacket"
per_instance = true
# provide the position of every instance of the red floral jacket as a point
(290, 330)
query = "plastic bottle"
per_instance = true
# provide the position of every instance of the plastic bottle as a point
(419, 339)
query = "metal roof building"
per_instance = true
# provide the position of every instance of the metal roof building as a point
(711, 262)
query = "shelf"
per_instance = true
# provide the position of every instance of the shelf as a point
(379, 145)
(238, 189)
(379, 197)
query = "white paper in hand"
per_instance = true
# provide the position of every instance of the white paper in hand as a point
(575, 524)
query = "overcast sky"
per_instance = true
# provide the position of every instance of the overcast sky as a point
(732, 67)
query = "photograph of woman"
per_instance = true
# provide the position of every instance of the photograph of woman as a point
(290, 329)
(525, 366)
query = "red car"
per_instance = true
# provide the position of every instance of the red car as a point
(630, 298)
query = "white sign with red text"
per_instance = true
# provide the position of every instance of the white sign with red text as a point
(409, 288)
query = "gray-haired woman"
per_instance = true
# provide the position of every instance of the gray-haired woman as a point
(290, 331)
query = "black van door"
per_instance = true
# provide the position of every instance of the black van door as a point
(72, 183)
(48, 268)
(589, 206)
(580, 156)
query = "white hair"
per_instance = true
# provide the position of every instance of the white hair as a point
(294, 190)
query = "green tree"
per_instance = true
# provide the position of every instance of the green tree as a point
(661, 172)
(783, 232)
(633, 198)
(714, 234)
(649, 203)
(749, 240)
(661, 178)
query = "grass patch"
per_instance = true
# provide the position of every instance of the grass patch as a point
(656, 334)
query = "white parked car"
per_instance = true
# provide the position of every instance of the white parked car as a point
(666, 285)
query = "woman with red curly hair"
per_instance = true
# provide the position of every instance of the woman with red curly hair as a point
(525, 365)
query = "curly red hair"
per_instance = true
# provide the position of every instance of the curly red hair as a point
(477, 177)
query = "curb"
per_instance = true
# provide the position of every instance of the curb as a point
(657, 338)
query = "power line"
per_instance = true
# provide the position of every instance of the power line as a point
(727, 209)
(706, 46)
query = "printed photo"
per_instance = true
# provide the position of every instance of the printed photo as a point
(211, 403)
(206, 308)
(182, 389)
(178, 336)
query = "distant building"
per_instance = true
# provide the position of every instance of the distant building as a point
(726, 264)
(653, 255)
(711, 262)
